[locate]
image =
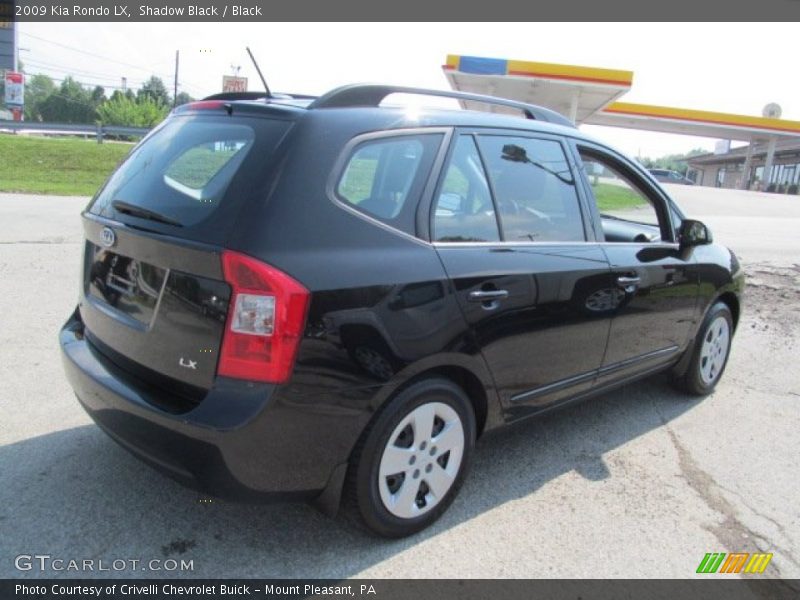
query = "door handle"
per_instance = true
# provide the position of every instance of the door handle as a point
(487, 295)
(624, 280)
(629, 283)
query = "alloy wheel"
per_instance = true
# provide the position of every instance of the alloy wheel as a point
(714, 352)
(421, 460)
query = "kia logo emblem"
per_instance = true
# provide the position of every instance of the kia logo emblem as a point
(107, 237)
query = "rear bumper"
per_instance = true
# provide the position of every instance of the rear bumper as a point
(243, 442)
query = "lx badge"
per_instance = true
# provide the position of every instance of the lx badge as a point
(189, 364)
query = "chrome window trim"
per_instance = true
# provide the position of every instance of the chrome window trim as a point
(667, 245)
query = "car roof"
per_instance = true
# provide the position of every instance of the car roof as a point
(367, 100)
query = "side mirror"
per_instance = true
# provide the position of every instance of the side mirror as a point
(515, 153)
(694, 233)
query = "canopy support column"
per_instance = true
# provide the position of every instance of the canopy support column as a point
(573, 106)
(744, 184)
(768, 164)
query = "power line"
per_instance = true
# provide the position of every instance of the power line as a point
(76, 72)
(83, 83)
(92, 54)
(148, 70)
(102, 79)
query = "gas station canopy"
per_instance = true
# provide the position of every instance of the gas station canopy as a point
(693, 122)
(589, 95)
(576, 92)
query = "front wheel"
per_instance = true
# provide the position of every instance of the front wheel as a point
(412, 460)
(709, 353)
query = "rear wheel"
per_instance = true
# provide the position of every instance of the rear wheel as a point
(709, 353)
(412, 460)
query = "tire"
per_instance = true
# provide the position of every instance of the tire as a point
(394, 473)
(710, 353)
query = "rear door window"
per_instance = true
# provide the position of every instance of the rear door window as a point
(534, 188)
(384, 177)
(464, 211)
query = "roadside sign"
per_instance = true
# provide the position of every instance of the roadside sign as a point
(234, 84)
(15, 89)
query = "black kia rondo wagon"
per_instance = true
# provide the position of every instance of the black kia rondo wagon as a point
(332, 299)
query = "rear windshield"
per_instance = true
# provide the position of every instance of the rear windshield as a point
(182, 174)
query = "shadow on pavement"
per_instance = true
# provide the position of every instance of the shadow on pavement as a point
(75, 494)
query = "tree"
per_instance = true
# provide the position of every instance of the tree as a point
(141, 112)
(673, 162)
(98, 95)
(37, 89)
(120, 94)
(154, 89)
(71, 104)
(183, 98)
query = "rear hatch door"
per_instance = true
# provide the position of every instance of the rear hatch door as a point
(154, 299)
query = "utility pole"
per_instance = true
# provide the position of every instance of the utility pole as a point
(14, 46)
(175, 91)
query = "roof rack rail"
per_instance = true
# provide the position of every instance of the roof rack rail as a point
(374, 94)
(257, 96)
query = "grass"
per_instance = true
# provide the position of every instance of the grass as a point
(67, 167)
(615, 197)
(196, 167)
(357, 185)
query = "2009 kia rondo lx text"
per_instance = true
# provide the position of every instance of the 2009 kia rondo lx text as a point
(331, 299)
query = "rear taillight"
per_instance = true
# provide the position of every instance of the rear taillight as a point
(266, 317)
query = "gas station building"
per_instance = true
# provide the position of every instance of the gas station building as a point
(590, 95)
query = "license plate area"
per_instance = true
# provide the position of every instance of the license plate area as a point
(129, 286)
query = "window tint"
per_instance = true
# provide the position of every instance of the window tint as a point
(182, 172)
(627, 213)
(384, 177)
(463, 211)
(192, 171)
(534, 189)
(614, 193)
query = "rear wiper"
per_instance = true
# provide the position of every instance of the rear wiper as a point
(143, 213)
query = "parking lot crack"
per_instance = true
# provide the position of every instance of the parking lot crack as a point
(734, 535)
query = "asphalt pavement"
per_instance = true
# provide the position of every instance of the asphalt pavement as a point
(641, 482)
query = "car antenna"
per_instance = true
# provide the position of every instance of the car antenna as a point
(255, 64)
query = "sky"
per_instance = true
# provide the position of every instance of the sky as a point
(725, 67)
